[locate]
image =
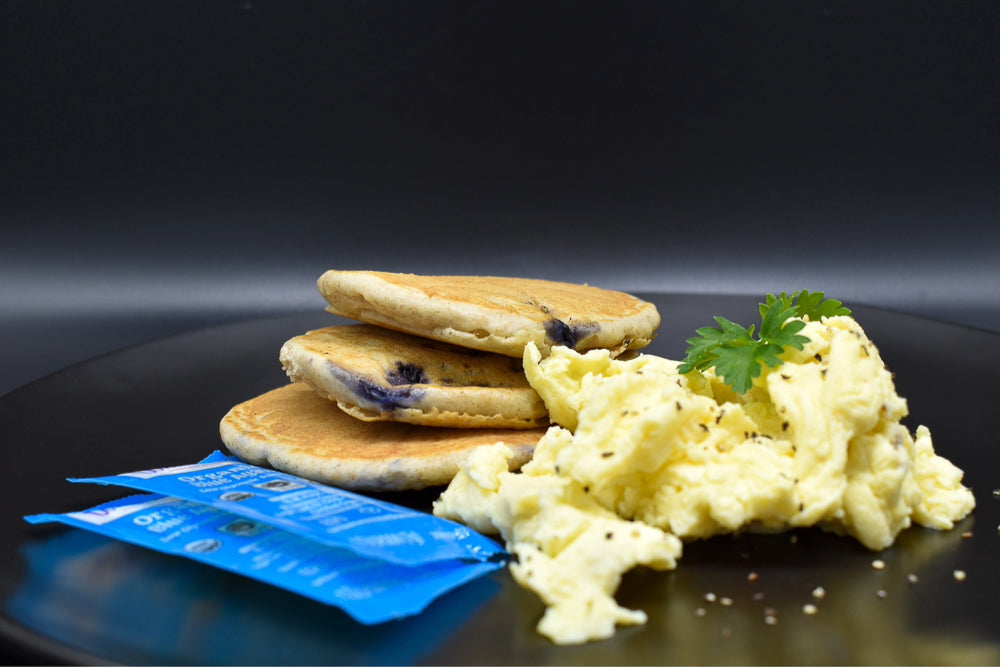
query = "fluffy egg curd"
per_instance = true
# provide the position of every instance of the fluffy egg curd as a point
(642, 457)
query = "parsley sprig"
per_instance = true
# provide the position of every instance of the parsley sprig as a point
(737, 355)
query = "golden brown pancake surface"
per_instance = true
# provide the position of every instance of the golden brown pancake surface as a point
(496, 314)
(378, 374)
(294, 429)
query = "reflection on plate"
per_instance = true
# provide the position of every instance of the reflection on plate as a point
(83, 587)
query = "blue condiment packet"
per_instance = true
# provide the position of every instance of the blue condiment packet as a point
(332, 516)
(370, 590)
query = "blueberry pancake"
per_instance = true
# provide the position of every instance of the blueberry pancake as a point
(376, 374)
(296, 430)
(493, 314)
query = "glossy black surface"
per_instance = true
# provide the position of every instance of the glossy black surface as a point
(68, 596)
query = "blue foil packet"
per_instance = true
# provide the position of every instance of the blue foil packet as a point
(332, 516)
(370, 590)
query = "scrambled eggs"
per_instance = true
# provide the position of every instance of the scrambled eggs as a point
(643, 457)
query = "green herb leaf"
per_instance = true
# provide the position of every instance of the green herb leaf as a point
(806, 304)
(738, 357)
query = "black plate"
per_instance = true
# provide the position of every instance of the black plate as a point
(75, 597)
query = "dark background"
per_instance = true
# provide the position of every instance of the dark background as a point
(169, 165)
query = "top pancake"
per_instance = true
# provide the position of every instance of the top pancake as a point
(494, 314)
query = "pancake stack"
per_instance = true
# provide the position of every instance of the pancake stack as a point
(431, 371)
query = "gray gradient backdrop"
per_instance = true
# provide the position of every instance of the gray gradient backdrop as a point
(167, 166)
